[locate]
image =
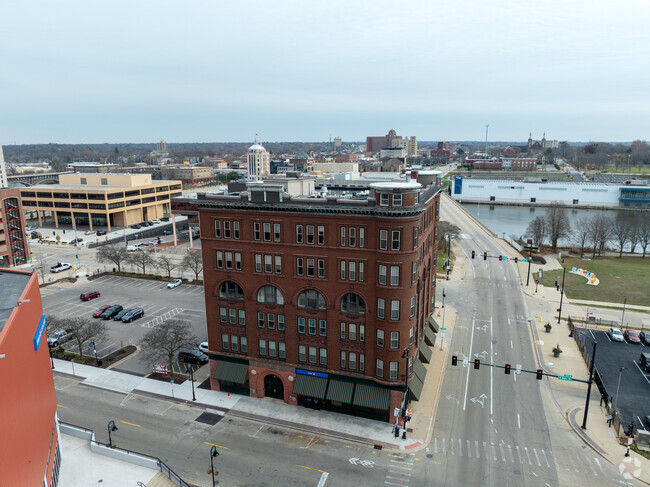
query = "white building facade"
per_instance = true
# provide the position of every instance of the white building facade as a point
(259, 161)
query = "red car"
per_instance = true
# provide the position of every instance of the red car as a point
(100, 310)
(631, 336)
(88, 295)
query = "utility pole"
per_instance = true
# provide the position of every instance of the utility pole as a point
(559, 310)
(623, 315)
(591, 378)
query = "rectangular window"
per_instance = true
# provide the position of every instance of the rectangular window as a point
(235, 229)
(301, 325)
(417, 198)
(238, 266)
(343, 232)
(299, 234)
(272, 351)
(267, 231)
(310, 234)
(396, 240)
(392, 370)
(397, 200)
(411, 336)
(281, 322)
(362, 333)
(322, 328)
(383, 199)
(260, 320)
(311, 270)
(276, 232)
(270, 321)
(379, 368)
(352, 271)
(342, 330)
(104, 181)
(383, 269)
(300, 270)
(416, 236)
(258, 263)
(302, 353)
(229, 261)
(412, 306)
(224, 342)
(362, 362)
(362, 271)
(342, 274)
(414, 272)
(282, 350)
(242, 317)
(244, 345)
(321, 234)
(394, 275)
(278, 264)
(257, 231)
(234, 346)
(343, 357)
(223, 315)
(352, 237)
(394, 340)
(323, 356)
(352, 331)
(380, 338)
(219, 259)
(268, 264)
(394, 310)
(353, 361)
(312, 355)
(362, 237)
(312, 326)
(321, 268)
(383, 239)
(232, 316)
(410, 366)
(217, 229)
(381, 308)
(262, 347)
(226, 229)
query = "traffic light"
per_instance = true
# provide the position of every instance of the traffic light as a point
(630, 430)
(473, 254)
(516, 259)
(501, 257)
(477, 364)
(484, 255)
(454, 360)
(540, 374)
(507, 369)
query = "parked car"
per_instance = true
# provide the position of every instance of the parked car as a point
(165, 218)
(192, 356)
(174, 283)
(58, 337)
(646, 421)
(156, 221)
(60, 267)
(615, 335)
(203, 346)
(88, 295)
(136, 226)
(147, 224)
(644, 361)
(98, 312)
(35, 235)
(29, 228)
(101, 232)
(132, 314)
(89, 232)
(632, 336)
(120, 315)
(644, 336)
(76, 240)
(111, 311)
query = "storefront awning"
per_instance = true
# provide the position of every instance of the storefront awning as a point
(340, 391)
(415, 387)
(307, 385)
(430, 336)
(433, 325)
(373, 397)
(231, 371)
(425, 351)
(419, 370)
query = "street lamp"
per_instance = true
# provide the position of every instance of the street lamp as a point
(111, 427)
(51, 359)
(405, 356)
(189, 368)
(559, 311)
(213, 454)
(442, 335)
(623, 315)
(620, 372)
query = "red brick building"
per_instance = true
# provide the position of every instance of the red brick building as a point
(315, 300)
(375, 144)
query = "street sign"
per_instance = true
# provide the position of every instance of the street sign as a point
(518, 369)
(565, 377)
(443, 328)
(465, 362)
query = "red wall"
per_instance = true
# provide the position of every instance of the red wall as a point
(28, 399)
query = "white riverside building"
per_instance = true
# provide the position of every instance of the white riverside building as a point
(586, 194)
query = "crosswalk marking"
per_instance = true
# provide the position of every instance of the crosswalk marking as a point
(546, 459)
(512, 458)
(519, 454)
(536, 457)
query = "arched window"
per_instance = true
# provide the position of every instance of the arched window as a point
(231, 290)
(310, 298)
(270, 295)
(353, 303)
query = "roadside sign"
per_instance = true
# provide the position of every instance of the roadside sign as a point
(565, 377)
(518, 369)
(443, 328)
(465, 362)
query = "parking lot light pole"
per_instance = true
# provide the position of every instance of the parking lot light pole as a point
(405, 356)
(623, 315)
(591, 379)
(213, 453)
(191, 370)
(620, 372)
(559, 311)
(111, 427)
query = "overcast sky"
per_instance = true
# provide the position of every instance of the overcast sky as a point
(213, 71)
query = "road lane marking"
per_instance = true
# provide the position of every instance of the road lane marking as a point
(469, 449)
(218, 446)
(257, 432)
(536, 457)
(302, 466)
(435, 445)
(485, 450)
(469, 355)
(591, 467)
(61, 406)
(323, 478)
(444, 447)
(132, 424)
(494, 451)
(491, 369)
(526, 450)
(545, 458)
(478, 454)
(460, 447)
(503, 454)
(642, 373)
(518, 422)
(519, 454)
(512, 458)
(599, 465)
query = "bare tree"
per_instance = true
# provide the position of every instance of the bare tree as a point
(557, 222)
(167, 263)
(141, 259)
(446, 231)
(601, 230)
(112, 254)
(621, 228)
(537, 231)
(83, 329)
(162, 343)
(193, 261)
(635, 223)
(643, 231)
(581, 234)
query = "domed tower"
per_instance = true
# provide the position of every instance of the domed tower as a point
(259, 161)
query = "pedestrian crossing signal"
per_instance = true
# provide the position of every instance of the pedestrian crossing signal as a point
(454, 360)
(507, 369)
(484, 255)
(473, 254)
(477, 364)
(540, 373)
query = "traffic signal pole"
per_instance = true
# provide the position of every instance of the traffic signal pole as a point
(591, 377)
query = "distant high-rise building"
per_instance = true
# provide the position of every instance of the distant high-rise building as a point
(337, 143)
(375, 144)
(162, 146)
(3, 171)
(412, 146)
(259, 161)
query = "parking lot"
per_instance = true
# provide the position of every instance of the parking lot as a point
(159, 303)
(634, 392)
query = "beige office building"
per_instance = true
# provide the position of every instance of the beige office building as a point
(100, 200)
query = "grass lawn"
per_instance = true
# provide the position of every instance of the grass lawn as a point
(623, 169)
(618, 278)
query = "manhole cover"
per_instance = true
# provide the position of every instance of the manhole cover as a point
(209, 418)
(429, 455)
